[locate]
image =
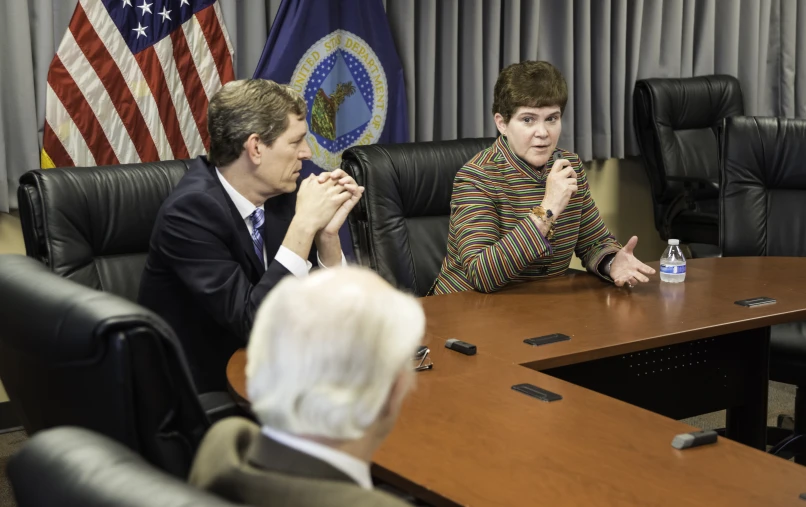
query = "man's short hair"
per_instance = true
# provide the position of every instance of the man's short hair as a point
(245, 107)
(529, 84)
(326, 350)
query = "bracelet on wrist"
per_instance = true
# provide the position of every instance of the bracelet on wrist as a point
(547, 217)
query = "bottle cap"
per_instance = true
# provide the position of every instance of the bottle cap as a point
(674, 242)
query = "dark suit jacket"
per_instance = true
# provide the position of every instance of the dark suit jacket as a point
(238, 462)
(202, 274)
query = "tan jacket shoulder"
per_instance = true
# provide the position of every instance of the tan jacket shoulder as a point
(237, 462)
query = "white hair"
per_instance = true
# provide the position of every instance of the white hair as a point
(326, 350)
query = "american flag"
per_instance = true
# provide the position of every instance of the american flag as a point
(131, 80)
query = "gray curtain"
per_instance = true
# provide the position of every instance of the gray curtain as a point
(452, 51)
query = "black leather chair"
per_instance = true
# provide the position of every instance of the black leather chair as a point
(92, 224)
(400, 227)
(676, 123)
(71, 355)
(73, 467)
(763, 213)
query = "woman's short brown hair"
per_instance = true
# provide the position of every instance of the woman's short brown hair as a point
(245, 107)
(529, 84)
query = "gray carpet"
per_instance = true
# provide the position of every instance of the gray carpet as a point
(781, 401)
(9, 443)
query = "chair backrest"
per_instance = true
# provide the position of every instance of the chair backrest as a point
(763, 187)
(400, 227)
(676, 122)
(73, 467)
(71, 355)
(93, 224)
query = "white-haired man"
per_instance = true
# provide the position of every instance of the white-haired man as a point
(326, 381)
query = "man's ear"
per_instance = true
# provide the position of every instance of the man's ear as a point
(253, 148)
(501, 124)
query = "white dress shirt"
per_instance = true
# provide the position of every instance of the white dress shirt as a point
(298, 266)
(353, 467)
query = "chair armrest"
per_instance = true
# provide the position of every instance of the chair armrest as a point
(219, 405)
(703, 251)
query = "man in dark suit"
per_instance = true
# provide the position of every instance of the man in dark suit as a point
(326, 382)
(239, 221)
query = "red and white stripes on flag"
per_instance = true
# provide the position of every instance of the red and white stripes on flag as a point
(131, 81)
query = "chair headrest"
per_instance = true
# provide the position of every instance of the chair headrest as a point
(694, 102)
(768, 152)
(414, 178)
(90, 212)
(71, 466)
(53, 317)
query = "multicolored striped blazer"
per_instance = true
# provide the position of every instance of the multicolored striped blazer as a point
(492, 242)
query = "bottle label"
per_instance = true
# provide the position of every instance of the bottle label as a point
(672, 270)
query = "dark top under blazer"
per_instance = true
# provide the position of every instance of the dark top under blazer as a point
(202, 274)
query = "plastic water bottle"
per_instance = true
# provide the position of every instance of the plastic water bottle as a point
(673, 263)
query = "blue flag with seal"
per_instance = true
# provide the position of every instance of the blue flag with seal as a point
(340, 55)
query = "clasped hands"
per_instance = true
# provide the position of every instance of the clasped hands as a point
(326, 199)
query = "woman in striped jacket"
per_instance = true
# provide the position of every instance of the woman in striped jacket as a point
(522, 207)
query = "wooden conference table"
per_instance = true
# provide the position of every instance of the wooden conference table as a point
(465, 437)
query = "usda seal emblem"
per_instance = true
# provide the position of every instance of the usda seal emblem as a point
(344, 86)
